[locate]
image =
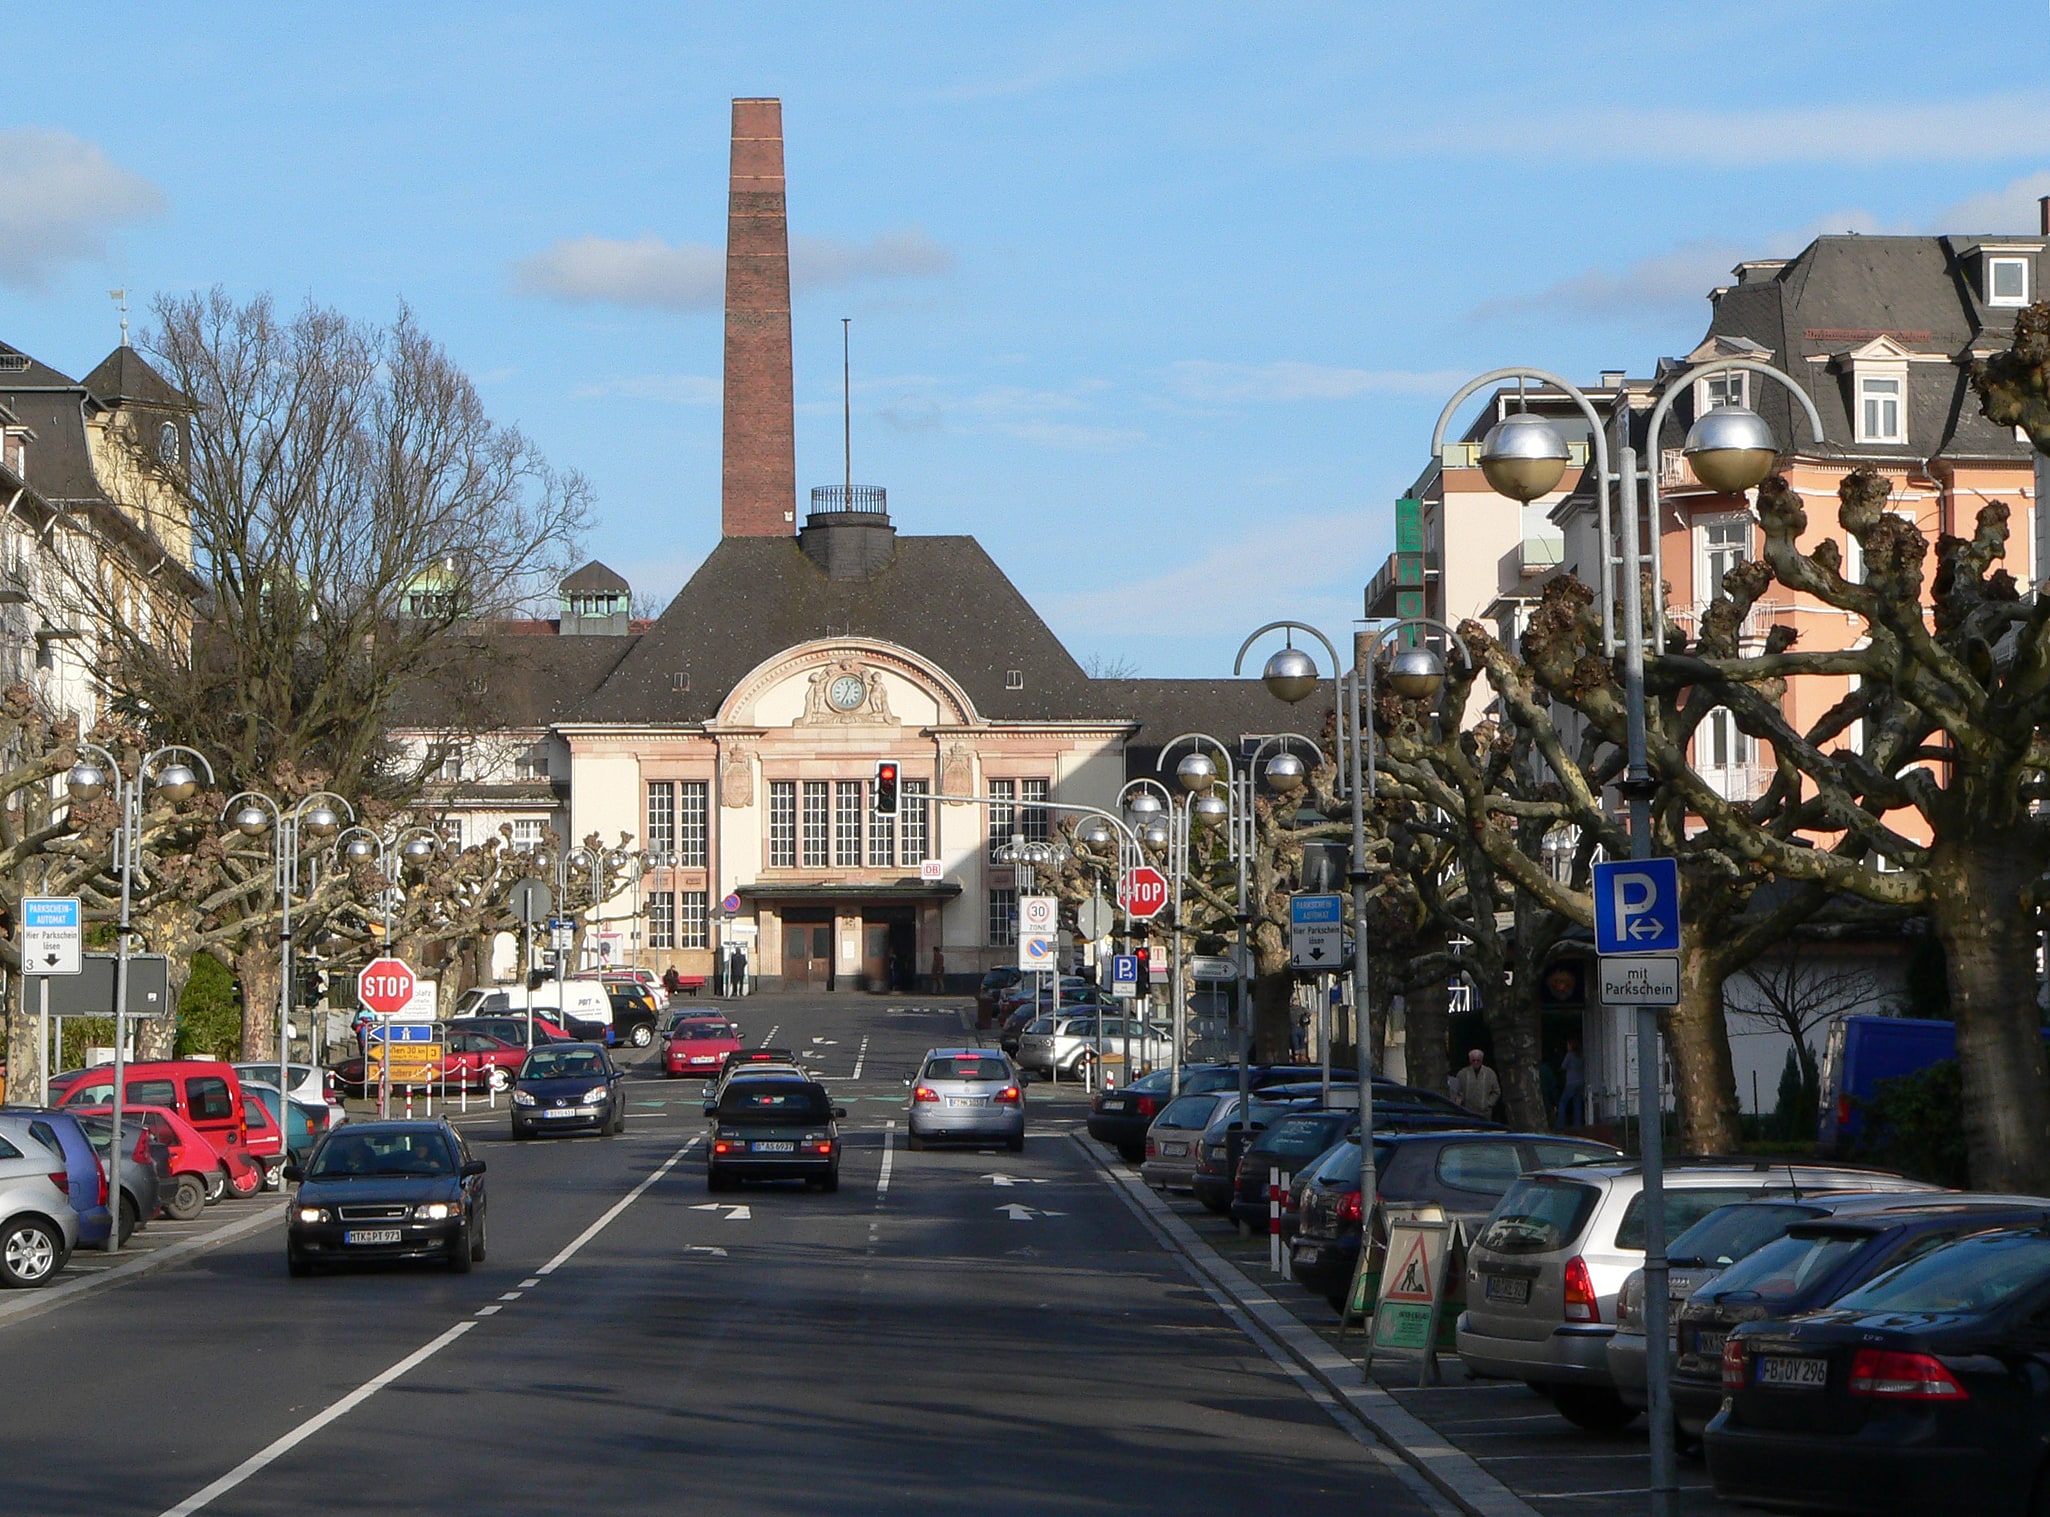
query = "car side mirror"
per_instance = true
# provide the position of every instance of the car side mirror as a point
(907, 1079)
(711, 1108)
(471, 1168)
(839, 1114)
(294, 1174)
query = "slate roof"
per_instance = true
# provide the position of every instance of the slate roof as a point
(753, 597)
(1840, 293)
(508, 680)
(125, 375)
(1224, 708)
(595, 579)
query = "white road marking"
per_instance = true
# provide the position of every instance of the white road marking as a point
(860, 1055)
(1021, 1213)
(490, 1311)
(512, 1295)
(889, 1155)
(770, 1037)
(702, 1248)
(282, 1446)
(1009, 1180)
(733, 1213)
(529, 1284)
(616, 1208)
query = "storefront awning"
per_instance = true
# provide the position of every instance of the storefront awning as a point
(823, 891)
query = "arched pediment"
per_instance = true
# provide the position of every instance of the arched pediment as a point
(813, 684)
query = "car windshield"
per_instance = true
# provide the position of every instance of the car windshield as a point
(701, 1032)
(1151, 1085)
(1297, 1137)
(563, 1064)
(1187, 1111)
(1729, 1233)
(774, 1101)
(349, 1152)
(1538, 1215)
(1683, 1209)
(1970, 1275)
(967, 1067)
(1784, 1268)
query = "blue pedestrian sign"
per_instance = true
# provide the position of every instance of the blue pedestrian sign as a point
(1637, 906)
(1124, 974)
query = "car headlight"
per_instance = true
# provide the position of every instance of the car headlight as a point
(594, 1096)
(311, 1214)
(524, 1098)
(434, 1211)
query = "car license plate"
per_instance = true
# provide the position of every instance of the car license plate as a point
(1118, 1105)
(1175, 1150)
(1504, 1288)
(1709, 1345)
(773, 1148)
(371, 1235)
(968, 1100)
(1797, 1374)
(567, 1111)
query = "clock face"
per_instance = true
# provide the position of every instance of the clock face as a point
(847, 692)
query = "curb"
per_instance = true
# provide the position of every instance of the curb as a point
(1451, 1472)
(22, 1308)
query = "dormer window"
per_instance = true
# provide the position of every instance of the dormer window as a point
(1882, 414)
(2007, 281)
(1729, 388)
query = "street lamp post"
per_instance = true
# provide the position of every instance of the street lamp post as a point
(316, 816)
(410, 845)
(1524, 457)
(96, 772)
(1284, 775)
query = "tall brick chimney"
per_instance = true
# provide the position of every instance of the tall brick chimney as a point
(759, 484)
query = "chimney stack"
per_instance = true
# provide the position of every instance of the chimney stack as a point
(2043, 215)
(758, 495)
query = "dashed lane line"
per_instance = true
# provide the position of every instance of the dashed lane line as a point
(770, 1036)
(889, 1157)
(270, 1453)
(860, 1056)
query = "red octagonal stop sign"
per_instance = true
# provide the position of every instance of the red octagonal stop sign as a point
(1143, 891)
(385, 985)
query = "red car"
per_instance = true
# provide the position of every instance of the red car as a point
(698, 1049)
(201, 1172)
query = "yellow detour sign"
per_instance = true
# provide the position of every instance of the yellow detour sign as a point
(411, 1063)
(1412, 1293)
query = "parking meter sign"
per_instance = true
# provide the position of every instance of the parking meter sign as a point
(1637, 906)
(1124, 974)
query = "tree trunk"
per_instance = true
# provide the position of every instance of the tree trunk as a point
(1511, 1009)
(1427, 1025)
(22, 1053)
(1698, 1042)
(1273, 1017)
(1990, 946)
(258, 971)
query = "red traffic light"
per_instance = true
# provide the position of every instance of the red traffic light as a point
(886, 788)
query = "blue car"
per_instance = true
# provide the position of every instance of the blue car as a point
(60, 1132)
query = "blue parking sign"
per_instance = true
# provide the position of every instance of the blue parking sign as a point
(1637, 906)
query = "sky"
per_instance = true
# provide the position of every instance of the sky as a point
(1159, 302)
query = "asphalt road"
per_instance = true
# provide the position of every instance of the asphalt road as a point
(905, 1345)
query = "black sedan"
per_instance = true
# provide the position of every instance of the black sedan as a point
(568, 1087)
(1921, 1392)
(1809, 1267)
(774, 1127)
(1291, 1143)
(382, 1191)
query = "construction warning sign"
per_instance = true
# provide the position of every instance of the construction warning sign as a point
(1412, 1290)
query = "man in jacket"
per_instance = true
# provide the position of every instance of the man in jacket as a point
(1475, 1087)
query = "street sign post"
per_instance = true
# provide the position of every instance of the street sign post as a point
(531, 901)
(1124, 974)
(1143, 892)
(1639, 979)
(1038, 934)
(51, 934)
(1210, 969)
(385, 985)
(931, 870)
(1637, 906)
(1316, 931)
(1095, 917)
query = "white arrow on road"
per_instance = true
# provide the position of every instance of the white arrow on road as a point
(1020, 1213)
(1009, 1180)
(704, 1248)
(829, 1042)
(733, 1213)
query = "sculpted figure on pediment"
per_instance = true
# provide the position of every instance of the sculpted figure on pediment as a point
(845, 693)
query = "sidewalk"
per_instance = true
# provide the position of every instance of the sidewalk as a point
(160, 1245)
(1496, 1448)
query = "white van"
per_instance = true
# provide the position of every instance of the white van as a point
(582, 1006)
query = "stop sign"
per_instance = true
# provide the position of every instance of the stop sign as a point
(385, 985)
(1143, 891)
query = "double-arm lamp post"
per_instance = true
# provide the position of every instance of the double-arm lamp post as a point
(96, 773)
(1731, 450)
(318, 816)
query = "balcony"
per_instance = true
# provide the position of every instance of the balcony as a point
(1737, 782)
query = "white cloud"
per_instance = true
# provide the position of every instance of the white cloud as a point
(647, 272)
(2011, 209)
(1207, 381)
(61, 198)
(1060, 419)
(1306, 566)
(673, 389)
(1989, 129)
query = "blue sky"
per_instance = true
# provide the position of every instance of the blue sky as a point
(1159, 302)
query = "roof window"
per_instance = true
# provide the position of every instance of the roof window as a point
(679, 681)
(2007, 281)
(1881, 415)
(1014, 679)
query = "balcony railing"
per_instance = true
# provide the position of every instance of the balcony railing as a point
(1467, 455)
(849, 498)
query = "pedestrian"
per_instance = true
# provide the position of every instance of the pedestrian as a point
(672, 982)
(1572, 1088)
(740, 971)
(939, 971)
(1299, 1039)
(1475, 1087)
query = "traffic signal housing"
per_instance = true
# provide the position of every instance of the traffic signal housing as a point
(1145, 957)
(886, 788)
